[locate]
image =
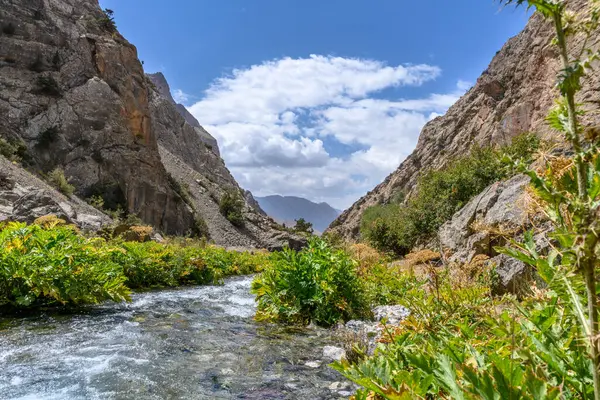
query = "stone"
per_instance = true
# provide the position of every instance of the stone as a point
(39, 203)
(333, 353)
(313, 364)
(392, 314)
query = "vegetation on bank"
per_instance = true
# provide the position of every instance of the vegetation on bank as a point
(49, 263)
(397, 227)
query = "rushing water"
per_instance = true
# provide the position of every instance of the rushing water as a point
(192, 343)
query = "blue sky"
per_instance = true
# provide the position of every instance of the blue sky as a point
(316, 98)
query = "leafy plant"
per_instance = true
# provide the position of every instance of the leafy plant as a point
(317, 284)
(571, 194)
(50, 263)
(57, 179)
(231, 206)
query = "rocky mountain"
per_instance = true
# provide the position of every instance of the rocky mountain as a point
(287, 209)
(512, 96)
(73, 95)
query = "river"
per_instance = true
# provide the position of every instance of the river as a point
(188, 343)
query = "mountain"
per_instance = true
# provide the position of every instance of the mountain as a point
(287, 209)
(74, 96)
(512, 96)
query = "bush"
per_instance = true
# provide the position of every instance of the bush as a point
(55, 266)
(439, 194)
(57, 179)
(107, 21)
(303, 226)
(231, 206)
(317, 284)
(50, 263)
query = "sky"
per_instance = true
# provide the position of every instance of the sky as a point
(320, 99)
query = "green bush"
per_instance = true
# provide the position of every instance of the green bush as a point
(439, 194)
(50, 263)
(231, 206)
(47, 85)
(57, 179)
(55, 266)
(303, 226)
(317, 284)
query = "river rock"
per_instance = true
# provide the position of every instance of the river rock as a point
(333, 353)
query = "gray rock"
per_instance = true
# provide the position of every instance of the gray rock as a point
(392, 314)
(333, 353)
(39, 203)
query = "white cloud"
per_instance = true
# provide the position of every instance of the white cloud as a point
(273, 122)
(180, 96)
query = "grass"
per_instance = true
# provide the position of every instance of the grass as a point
(50, 263)
(57, 179)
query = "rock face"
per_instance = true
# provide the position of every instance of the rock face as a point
(512, 96)
(498, 213)
(24, 197)
(74, 92)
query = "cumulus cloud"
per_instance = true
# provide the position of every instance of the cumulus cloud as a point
(278, 122)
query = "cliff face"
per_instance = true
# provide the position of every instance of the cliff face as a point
(73, 91)
(511, 97)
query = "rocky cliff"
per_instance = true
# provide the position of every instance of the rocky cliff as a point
(74, 96)
(511, 97)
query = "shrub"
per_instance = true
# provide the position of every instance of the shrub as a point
(231, 207)
(96, 202)
(55, 266)
(50, 263)
(47, 85)
(200, 228)
(57, 179)
(317, 284)
(303, 226)
(107, 21)
(439, 194)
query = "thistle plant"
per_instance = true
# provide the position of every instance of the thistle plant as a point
(571, 195)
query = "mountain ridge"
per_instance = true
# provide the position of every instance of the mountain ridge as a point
(287, 209)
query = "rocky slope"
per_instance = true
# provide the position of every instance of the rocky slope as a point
(287, 209)
(74, 95)
(512, 96)
(73, 91)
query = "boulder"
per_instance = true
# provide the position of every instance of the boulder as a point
(38, 203)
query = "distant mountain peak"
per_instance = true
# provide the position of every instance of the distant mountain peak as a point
(287, 209)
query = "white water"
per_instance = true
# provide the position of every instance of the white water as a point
(192, 343)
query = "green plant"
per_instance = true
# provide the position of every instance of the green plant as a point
(571, 194)
(57, 179)
(231, 206)
(40, 266)
(303, 226)
(200, 228)
(107, 21)
(317, 284)
(50, 263)
(96, 202)
(397, 227)
(47, 85)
